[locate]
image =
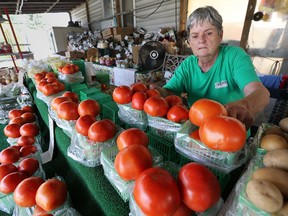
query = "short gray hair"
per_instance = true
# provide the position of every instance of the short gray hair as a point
(202, 14)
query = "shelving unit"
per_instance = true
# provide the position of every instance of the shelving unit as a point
(12, 54)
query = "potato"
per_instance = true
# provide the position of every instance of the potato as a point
(283, 211)
(283, 124)
(271, 142)
(264, 195)
(274, 130)
(276, 158)
(276, 176)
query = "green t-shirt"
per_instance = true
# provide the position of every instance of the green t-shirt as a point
(224, 82)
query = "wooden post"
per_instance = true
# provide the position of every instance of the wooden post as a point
(183, 14)
(117, 10)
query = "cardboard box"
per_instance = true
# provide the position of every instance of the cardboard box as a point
(107, 32)
(135, 53)
(123, 30)
(75, 54)
(119, 37)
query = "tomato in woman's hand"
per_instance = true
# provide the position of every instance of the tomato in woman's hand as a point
(10, 181)
(139, 87)
(156, 106)
(83, 124)
(68, 110)
(29, 166)
(25, 192)
(25, 140)
(131, 161)
(12, 130)
(102, 130)
(203, 109)
(132, 136)
(58, 100)
(27, 150)
(199, 186)
(5, 169)
(72, 95)
(9, 155)
(122, 94)
(173, 100)
(223, 133)
(89, 107)
(138, 100)
(178, 113)
(29, 129)
(51, 194)
(156, 192)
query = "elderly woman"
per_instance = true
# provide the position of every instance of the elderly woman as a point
(222, 73)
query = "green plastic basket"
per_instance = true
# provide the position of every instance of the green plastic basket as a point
(85, 93)
(77, 87)
(101, 98)
(110, 111)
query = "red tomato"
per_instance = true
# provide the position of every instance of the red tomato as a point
(9, 155)
(178, 113)
(49, 89)
(156, 106)
(58, 100)
(173, 100)
(132, 136)
(195, 135)
(28, 108)
(156, 192)
(131, 161)
(38, 211)
(18, 120)
(51, 194)
(51, 79)
(15, 113)
(68, 110)
(29, 129)
(75, 67)
(152, 92)
(199, 187)
(223, 133)
(12, 130)
(27, 150)
(29, 117)
(38, 76)
(203, 109)
(122, 94)
(41, 85)
(10, 181)
(25, 140)
(29, 166)
(139, 87)
(68, 69)
(89, 107)
(25, 193)
(138, 100)
(183, 210)
(5, 169)
(72, 95)
(59, 86)
(102, 130)
(83, 124)
(50, 74)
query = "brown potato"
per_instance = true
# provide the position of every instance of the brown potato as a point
(283, 124)
(274, 130)
(276, 158)
(264, 195)
(271, 142)
(283, 211)
(276, 176)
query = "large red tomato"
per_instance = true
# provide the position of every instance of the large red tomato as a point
(183, 210)
(51, 194)
(29, 117)
(41, 84)
(83, 124)
(59, 86)
(26, 140)
(178, 113)
(58, 100)
(49, 89)
(10, 181)
(203, 109)
(152, 92)
(132, 136)
(9, 155)
(29, 129)
(139, 87)
(68, 110)
(12, 130)
(223, 133)
(131, 161)
(195, 135)
(72, 95)
(18, 120)
(68, 69)
(5, 169)
(27, 150)
(89, 107)
(156, 106)
(199, 187)
(102, 130)
(25, 192)
(138, 100)
(29, 166)
(15, 113)
(28, 108)
(122, 94)
(156, 192)
(173, 100)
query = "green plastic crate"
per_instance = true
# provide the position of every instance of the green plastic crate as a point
(85, 93)
(81, 65)
(101, 98)
(77, 87)
(110, 111)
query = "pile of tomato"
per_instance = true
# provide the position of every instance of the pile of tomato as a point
(69, 69)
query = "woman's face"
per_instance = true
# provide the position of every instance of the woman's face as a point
(204, 40)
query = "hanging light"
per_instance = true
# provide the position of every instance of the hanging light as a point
(2, 19)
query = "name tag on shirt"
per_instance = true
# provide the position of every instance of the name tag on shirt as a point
(221, 84)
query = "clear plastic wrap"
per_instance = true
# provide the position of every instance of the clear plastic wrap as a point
(122, 187)
(197, 151)
(71, 78)
(48, 99)
(88, 152)
(133, 117)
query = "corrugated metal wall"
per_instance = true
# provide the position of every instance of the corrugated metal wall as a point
(167, 14)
